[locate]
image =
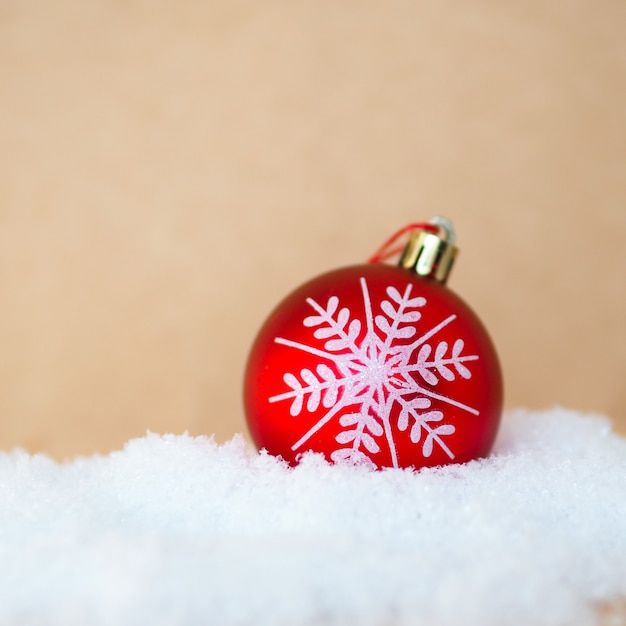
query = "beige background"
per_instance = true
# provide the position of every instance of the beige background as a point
(170, 170)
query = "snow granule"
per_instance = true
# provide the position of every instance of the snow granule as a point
(179, 530)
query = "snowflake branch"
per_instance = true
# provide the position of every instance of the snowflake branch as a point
(366, 429)
(422, 422)
(450, 361)
(388, 433)
(369, 343)
(302, 391)
(336, 326)
(435, 396)
(430, 333)
(347, 400)
(318, 425)
(432, 433)
(423, 367)
(336, 358)
(397, 318)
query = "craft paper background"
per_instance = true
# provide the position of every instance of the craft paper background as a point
(170, 170)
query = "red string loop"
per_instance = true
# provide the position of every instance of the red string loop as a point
(386, 251)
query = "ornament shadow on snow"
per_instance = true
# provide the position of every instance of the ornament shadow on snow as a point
(377, 365)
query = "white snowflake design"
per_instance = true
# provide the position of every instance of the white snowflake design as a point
(374, 372)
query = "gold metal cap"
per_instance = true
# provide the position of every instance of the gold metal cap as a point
(431, 255)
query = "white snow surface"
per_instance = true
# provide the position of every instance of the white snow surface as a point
(179, 530)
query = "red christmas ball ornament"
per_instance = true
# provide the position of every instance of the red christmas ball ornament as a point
(377, 364)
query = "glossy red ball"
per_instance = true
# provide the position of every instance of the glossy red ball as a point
(374, 364)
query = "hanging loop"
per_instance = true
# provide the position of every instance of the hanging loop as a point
(386, 251)
(430, 251)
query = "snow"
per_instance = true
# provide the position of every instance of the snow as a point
(179, 530)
